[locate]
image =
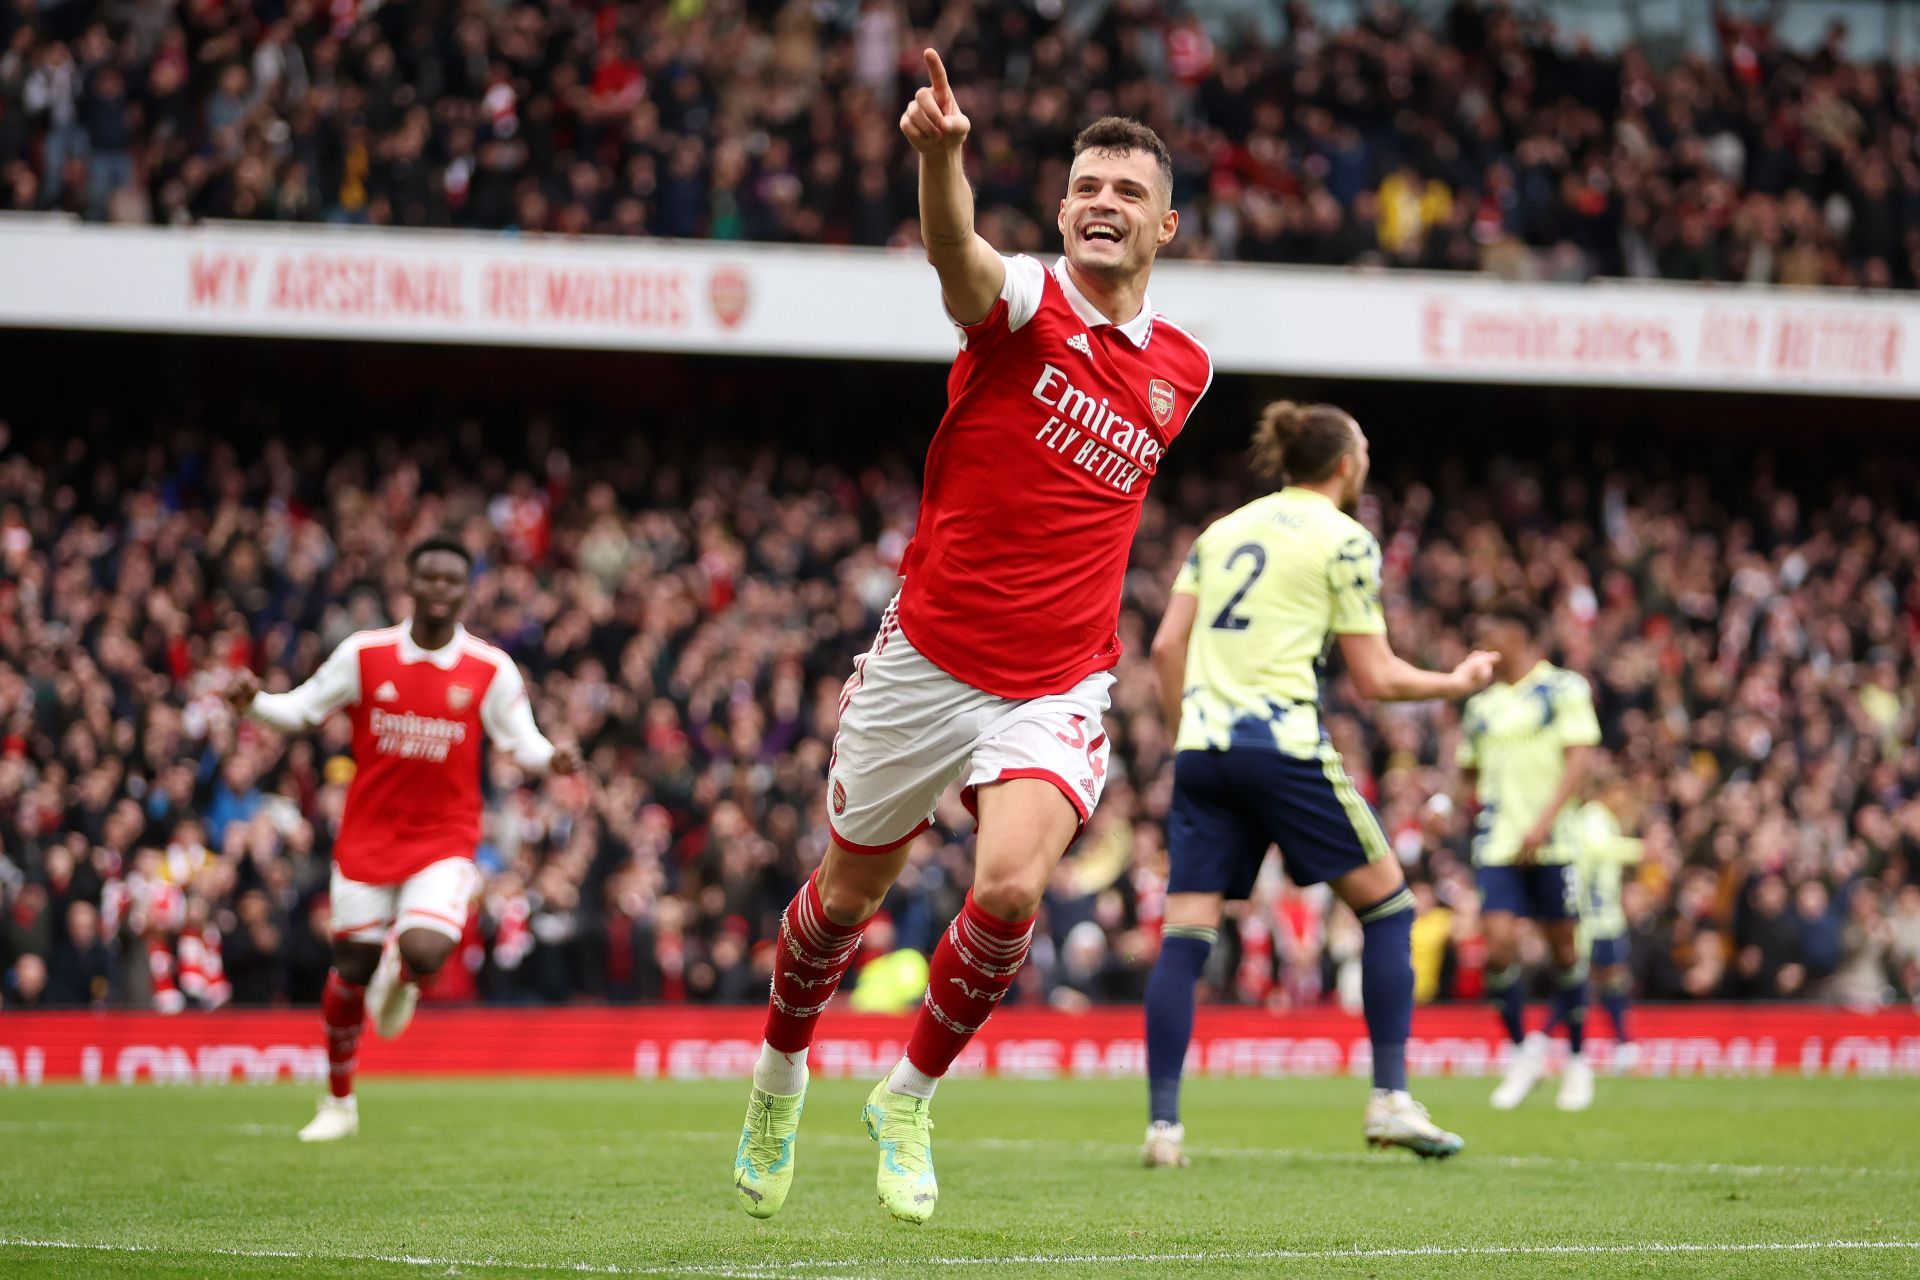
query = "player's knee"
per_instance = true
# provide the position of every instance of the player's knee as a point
(847, 901)
(425, 952)
(1011, 893)
(355, 962)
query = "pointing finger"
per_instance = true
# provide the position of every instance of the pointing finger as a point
(943, 91)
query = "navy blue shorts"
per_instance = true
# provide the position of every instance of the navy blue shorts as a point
(1229, 806)
(1537, 892)
(1603, 952)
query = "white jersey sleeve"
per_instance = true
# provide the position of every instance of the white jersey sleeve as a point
(508, 718)
(333, 686)
(1024, 286)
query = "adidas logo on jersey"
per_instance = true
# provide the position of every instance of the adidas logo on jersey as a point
(1079, 343)
(386, 692)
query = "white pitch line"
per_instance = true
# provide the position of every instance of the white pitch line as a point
(774, 1268)
(120, 1127)
(1308, 1156)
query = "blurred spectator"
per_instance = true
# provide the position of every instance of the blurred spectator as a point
(689, 612)
(252, 951)
(1480, 140)
(82, 969)
(1769, 961)
(26, 983)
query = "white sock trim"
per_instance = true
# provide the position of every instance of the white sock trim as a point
(911, 1080)
(781, 1074)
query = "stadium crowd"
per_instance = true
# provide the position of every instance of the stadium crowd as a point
(1482, 141)
(688, 617)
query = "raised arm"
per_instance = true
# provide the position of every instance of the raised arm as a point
(971, 273)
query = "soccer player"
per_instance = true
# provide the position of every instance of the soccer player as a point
(992, 666)
(1605, 853)
(1252, 611)
(420, 696)
(1524, 753)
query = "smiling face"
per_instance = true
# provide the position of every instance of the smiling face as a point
(1117, 212)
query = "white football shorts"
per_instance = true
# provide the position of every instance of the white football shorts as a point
(434, 898)
(908, 730)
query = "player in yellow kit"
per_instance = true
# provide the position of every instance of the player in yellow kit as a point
(1524, 753)
(1264, 591)
(1605, 854)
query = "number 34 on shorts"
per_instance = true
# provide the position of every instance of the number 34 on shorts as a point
(908, 731)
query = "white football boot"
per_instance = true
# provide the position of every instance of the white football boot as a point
(337, 1118)
(1523, 1073)
(1394, 1119)
(1576, 1085)
(1165, 1147)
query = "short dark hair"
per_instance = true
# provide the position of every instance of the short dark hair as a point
(438, 544)
(1300, 443)
(1521, 614)
(1121, 133)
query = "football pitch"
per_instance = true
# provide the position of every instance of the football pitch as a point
(525, 1178)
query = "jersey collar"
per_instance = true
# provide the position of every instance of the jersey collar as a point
(1137, 330)
(1533, 673)
(446, 657)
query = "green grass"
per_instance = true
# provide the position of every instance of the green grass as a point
(504, 1178)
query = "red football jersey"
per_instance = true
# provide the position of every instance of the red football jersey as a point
(415, 795)
(418, 717)
(1056, 420)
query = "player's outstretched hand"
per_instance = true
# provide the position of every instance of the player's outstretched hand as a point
(1475, 671)
(566, 760)
(242, 684)
(933, 121)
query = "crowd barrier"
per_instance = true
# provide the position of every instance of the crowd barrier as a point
(697, 1043)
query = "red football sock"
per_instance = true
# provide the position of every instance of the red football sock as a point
(813, 955)
(343, 1007)
(971, 969)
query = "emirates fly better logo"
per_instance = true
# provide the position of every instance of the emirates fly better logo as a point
(1160, 400)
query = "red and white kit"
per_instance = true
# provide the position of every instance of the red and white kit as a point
(405, 848)
(994, 661)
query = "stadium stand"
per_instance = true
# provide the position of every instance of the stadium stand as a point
(1480, 141)
(686, 613)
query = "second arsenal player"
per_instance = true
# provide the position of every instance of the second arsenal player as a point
(421, 696)
(993, 665)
